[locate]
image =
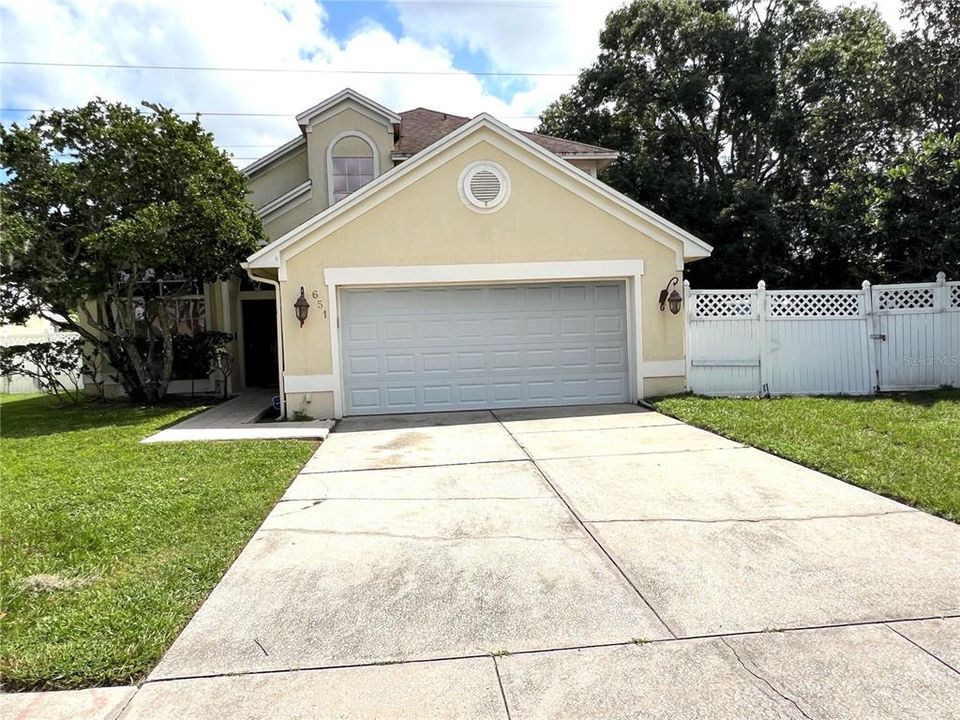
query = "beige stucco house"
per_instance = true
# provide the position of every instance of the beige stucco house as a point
(425, 261)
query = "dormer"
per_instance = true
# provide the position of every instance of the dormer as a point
(350, 139)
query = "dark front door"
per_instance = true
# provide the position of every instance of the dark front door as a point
(260, 343)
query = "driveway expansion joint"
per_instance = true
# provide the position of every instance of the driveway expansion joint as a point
(764, 680)
(443, 498)
(410, 467)
(921, 647)
(545, 650)
(430, 538)
(583, 525)
(503, 694)
(755, 520)
(628, 454)
(602, 429)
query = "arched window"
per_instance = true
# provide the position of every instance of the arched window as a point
(351, 163)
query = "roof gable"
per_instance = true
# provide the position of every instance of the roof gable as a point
(591, 189)
(597, 192)
(329, 106)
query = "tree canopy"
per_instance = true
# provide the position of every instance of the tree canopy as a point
(107, 211)
(811, 147)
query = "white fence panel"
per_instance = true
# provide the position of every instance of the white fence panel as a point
(815, 342)
(23, 384)
(850, 342)
(724, 350)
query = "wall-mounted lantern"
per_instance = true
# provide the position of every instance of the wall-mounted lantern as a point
(301, 307)
(673, 299)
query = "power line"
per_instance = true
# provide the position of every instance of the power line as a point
(237, 114)
(457, 3)
(315, 71)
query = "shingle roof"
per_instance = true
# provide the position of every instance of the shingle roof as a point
(420, 128)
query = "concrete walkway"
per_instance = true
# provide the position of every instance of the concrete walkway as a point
(237, 419)
(571, 563)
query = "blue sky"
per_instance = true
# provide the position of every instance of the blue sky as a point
(435, 48)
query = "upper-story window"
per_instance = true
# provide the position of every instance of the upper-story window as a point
(349, 174)
(352, 164)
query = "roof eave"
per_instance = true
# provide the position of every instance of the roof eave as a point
(304, 118)
(273, 155)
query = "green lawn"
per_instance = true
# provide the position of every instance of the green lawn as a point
(905, 446)
(109, 546)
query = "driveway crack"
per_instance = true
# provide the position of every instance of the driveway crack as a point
(763, 679)
(262, 648)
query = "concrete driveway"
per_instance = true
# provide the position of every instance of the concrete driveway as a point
(578, 562)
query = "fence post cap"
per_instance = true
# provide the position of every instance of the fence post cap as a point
(865, 284)
(761, 285)
(686, 284)
(941, 277)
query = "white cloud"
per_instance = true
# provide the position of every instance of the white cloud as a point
(889, 9)
(240, 33)
(526, 36)
(560, 37)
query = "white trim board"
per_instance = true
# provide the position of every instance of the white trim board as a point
(309, 383)
(301, 193)
(664, 368)
(373, 108)
(482, 273)
(631, 271)
(273, 155)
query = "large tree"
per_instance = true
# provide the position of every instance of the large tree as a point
(927, 67)
(109, 212)
(734, 118)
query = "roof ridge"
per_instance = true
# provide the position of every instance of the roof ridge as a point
(568, 140)
(528, 133)
(435, 112)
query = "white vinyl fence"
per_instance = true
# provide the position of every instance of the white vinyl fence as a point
(830, 342)
(23, 384)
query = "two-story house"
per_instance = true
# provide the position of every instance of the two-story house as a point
(424, 261)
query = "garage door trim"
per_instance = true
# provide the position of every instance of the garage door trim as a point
(630, 271)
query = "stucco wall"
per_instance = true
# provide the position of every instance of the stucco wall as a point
(426, 223)
(279, 177)
(309, 162)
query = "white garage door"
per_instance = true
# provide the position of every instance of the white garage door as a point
(484, 346)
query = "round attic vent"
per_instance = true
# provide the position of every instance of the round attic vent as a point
(484, 186)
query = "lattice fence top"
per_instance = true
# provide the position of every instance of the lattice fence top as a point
(955, 296)
(813, 305)
(724, 304)
(906, 298)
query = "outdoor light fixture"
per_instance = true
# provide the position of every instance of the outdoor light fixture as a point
(673, 299)
(301, 307)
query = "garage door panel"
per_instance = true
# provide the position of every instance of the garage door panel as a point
(364, 365)
(484, 346)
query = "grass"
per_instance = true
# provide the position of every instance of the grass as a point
(904, 446)
(109, 546)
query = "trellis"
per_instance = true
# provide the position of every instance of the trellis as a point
(882, 337)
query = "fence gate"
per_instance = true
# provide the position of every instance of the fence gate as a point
(917, 334)
(851, 342)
